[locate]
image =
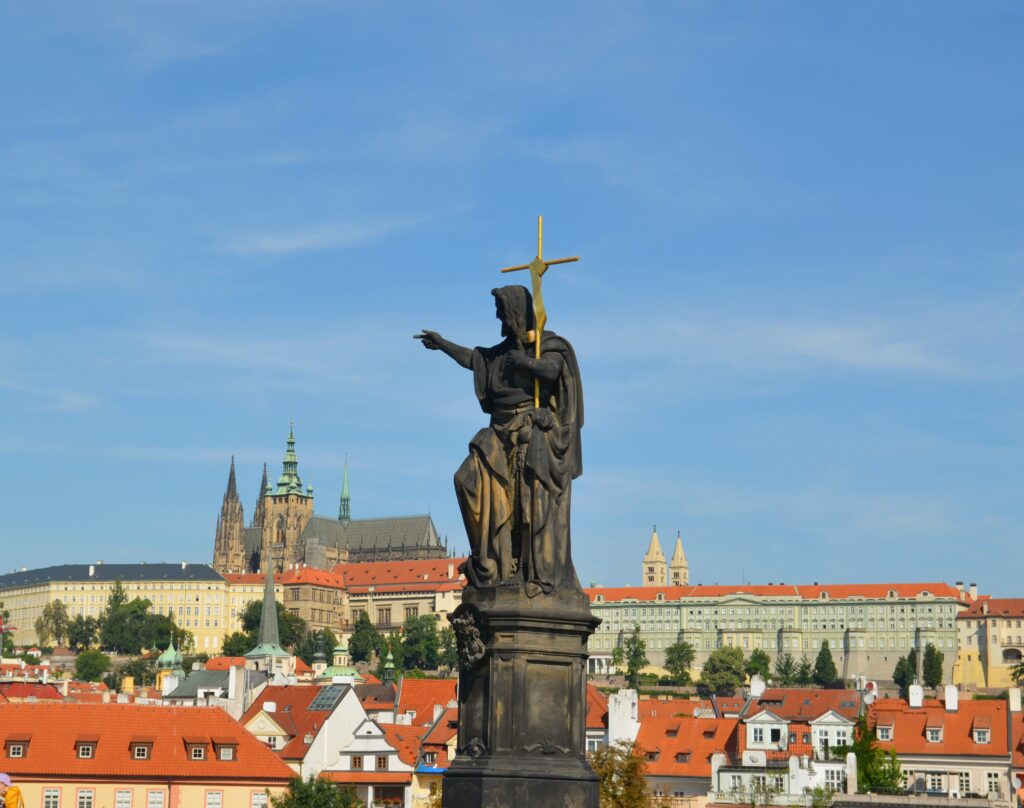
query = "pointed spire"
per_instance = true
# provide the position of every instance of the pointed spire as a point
(345, 510)
(259, 514)
(290, 481)
(268, 642)
(678, 556)
(654, 548)
(232, 489)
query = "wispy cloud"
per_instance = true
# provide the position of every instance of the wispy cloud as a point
(334, 236)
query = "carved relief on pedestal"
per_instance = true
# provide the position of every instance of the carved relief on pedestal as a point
(467, 625)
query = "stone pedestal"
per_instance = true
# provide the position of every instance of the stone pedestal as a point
(522, 701)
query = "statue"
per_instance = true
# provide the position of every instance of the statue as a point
(523, 623)
(514, 488)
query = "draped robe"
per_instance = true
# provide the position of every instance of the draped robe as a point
(514, 488)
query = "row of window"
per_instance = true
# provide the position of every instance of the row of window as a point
(86, 798)
(942, 782)
(356, 763)
(86, 750)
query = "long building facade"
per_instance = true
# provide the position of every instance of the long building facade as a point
(867, 626)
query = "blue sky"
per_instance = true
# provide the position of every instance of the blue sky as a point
(798, 314)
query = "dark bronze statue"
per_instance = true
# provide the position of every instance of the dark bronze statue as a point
(514, 489)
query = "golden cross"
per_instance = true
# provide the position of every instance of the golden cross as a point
(538, 266)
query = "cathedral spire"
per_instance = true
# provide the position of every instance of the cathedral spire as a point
(679, 569)
(345, 510)
(290, 482)
(232, 490)
(259, 514)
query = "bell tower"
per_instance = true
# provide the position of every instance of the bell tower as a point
(655, 572)
(287, 507)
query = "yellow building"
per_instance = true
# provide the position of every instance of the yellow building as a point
(65, 755)
(990, 642)
(194, 595)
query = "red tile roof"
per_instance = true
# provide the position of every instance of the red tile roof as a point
(909, 737)
(292, 714)
(247, 578)
(223, 663)
(301, 666)
(405, 740)
(24, 690)
(684, 746)
(996, 607)
(614, 594)
(55, 728)
(422, 695)
(402, 575)
(311, 575)
(597, 708)
(806, 704)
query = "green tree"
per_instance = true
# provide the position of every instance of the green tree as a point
(143, 671)
(678, 659)
(932, 666)
(803, 673)
(393, 645)
(316, 794)
(723, 672)
(785, 669)
(365, 640)
(620, 770)
(878, 770)
(291, 628)
(420, 643)
(825, 673)
(635, 653)
(6, 640)
(123, 625)
(322, 640)
(91, 665)
(237, 644)
(53, 623)
(448, 653)
(82, 632)
(758, 663)
(912, 664)
(1017, 673)
(617, 657)
(903, 675)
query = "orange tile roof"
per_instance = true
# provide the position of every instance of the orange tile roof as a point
(909, 725)
(685, 745)
(597, 708)
(445, 728)
(405, 740)
(246, 577)
(422, 695)
(223, 663)
(301, 666)
(996, 607)
(373, 778)
(806, 704)
(312, 575)
(423, 573)
(55, 728)
(615, 594)
(668, 708)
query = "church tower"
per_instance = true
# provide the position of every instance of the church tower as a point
(229, 546)
(287, 507)
(655, 568)
(259, 515)
(345, 508)
(678, 568)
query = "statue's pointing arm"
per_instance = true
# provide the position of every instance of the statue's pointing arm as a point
(435, 342)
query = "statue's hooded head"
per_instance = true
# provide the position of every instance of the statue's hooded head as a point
(514, 305)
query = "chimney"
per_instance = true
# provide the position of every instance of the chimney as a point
(105, 697)
(451, 570)
(984, 608)
(973, 589)
(756, 686)
(92, 571)
(952, 698)
(960, 587)
(438, 709)
(270, 706)
(1014, 693)
(184, 564)
(916, 696)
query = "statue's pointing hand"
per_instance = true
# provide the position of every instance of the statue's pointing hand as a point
(431, 339)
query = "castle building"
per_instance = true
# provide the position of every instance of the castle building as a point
(284, 522)
(991, 642)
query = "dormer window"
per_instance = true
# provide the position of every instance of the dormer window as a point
(16, 750)
(653, 756)
(86, 751)
(225, 748)
(934, 734)
(140, 751)
(682, 757)
(981, 736)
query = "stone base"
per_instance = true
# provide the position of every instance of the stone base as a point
(522, 701)
(524, 789)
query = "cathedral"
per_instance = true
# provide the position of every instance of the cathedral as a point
(658, 572)
(284, 531)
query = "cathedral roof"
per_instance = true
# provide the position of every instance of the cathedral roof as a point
(362, 534)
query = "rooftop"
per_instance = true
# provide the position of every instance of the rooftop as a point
(615, 594)
(80, 573)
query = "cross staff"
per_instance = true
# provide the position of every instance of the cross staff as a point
(538, 266)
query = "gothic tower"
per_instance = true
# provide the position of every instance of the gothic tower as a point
(678, 568)
(259, 515)
(229, 545)
(655, 568)
(287, 509)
